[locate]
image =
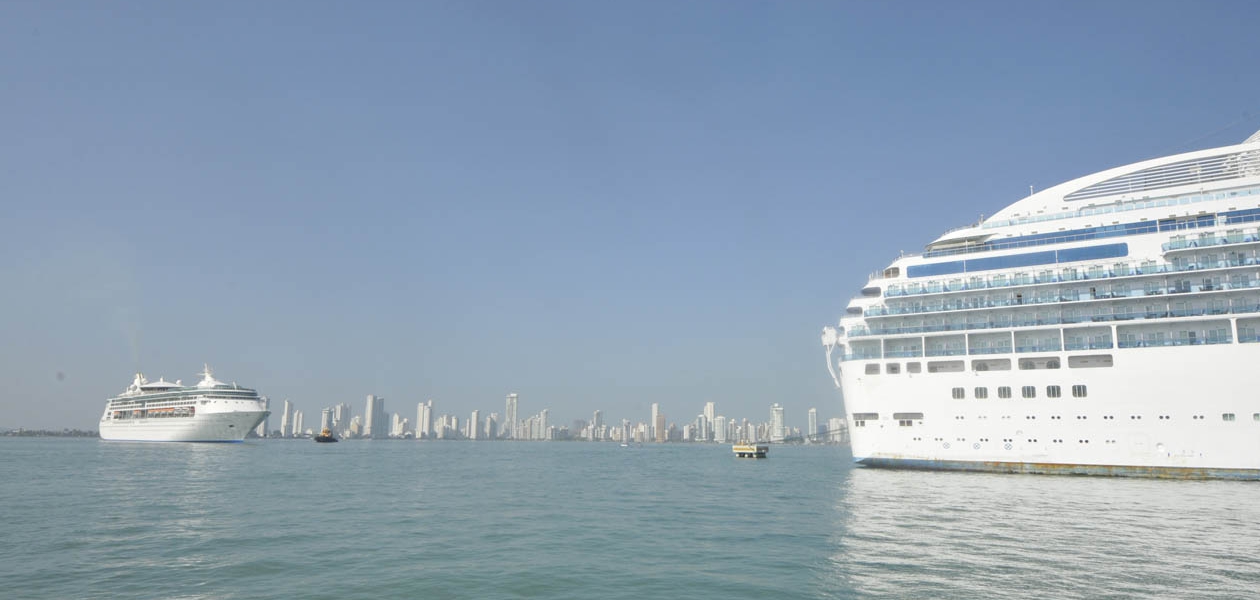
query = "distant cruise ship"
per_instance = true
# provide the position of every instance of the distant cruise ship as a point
(210, 411)
(1107, 325)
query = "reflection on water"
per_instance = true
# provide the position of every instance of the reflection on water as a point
(90, 519)
(929, 534)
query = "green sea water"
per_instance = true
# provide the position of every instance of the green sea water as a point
(287, 519)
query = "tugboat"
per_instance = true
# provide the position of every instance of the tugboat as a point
(325, 436)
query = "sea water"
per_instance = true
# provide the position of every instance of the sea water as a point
(288, 519)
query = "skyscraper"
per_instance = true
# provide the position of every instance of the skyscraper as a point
(811, 430)
(661, 433)
(776, 423)
(474, 422)
(297, 423)
(326, 419)
(710, 411)
(509, 417)
(719, 429)
(376, 422)
(656, 410)
(286, 419)
(342, 416)
(492, 426)
(424, 420)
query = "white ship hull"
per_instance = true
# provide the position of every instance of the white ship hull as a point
(212, 427)
(1106, 325)
(1139, 418)
(210, 411)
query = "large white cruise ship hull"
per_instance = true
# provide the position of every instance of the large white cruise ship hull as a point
(222, 427)
(1136, 418)
(1109, 325)
(161, 411)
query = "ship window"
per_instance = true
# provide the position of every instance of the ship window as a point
(1004, 392)
(1227, 416)
(914, 367)
(1079, 391)
(893, 368)
(1090, 361)
(1052, 391)
(982, 393)
(1030, 391)
(945, 366)
(960, 393)
(872, 369)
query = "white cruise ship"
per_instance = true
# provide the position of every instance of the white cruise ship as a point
(211, 411)
(1107, 325)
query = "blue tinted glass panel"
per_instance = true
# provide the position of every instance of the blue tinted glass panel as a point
(1094, 252)
(1029, 259)
(1014, 260)
(945, 268)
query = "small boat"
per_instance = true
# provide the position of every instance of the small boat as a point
(746, 450)
(325, 436)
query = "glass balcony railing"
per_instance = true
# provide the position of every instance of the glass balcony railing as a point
(1173, 342)
(1241, 307)
(1084, 273)
(1034, 300)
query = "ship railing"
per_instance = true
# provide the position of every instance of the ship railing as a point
(1234, 307)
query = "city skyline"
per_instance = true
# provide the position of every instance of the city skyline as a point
(599, 204)
(432, 422)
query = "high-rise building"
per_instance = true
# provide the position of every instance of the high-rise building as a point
(836, 430)
(297, 424)
(509, 417)
(811, 429)
(776, 423)
(286, 419)
(375, 421)
(398, 426)
(656, 410)
(702, 425)
(542, 425)
(341, 416)
(424, 420)
(491, 427)
(710, 411)
(474, 423)
(597, 425)
(719, 429)
(326, 419)
(662, 434)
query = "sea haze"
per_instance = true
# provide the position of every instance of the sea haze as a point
(395, 519)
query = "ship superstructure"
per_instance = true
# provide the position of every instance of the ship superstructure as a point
(1106, 325)
(160, 411)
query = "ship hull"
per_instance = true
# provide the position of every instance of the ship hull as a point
(1134, 419)
(207, 427)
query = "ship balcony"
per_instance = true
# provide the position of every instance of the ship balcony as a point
(1208, 240)
(1239, 307)
(963, 305)
(1064, 276)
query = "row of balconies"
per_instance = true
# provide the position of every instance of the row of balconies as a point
(1234, 307)
(1065, 275)
(957, 304)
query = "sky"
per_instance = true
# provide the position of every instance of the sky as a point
(596, 205)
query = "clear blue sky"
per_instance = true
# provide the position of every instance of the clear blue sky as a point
(597, 205)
